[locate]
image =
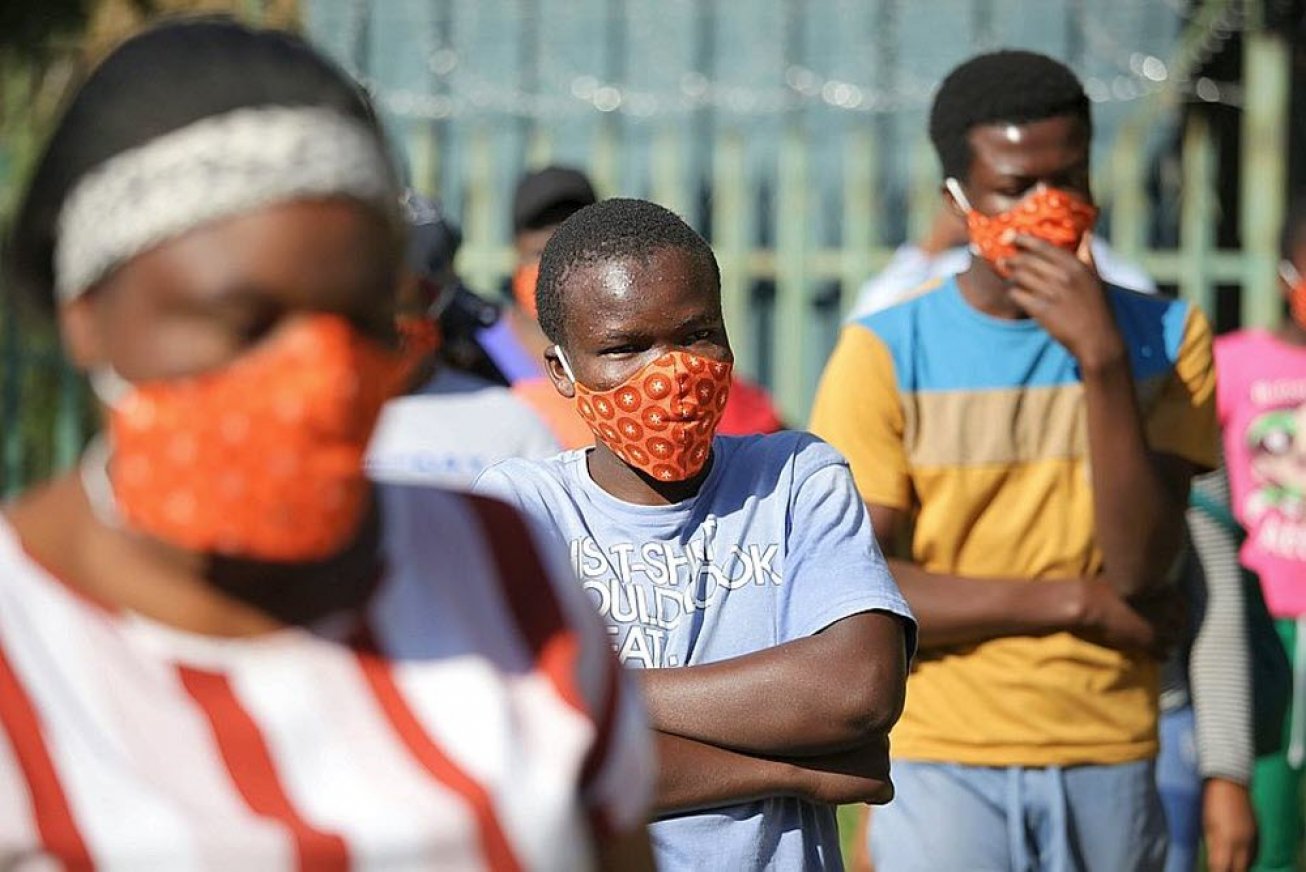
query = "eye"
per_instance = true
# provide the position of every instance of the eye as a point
(250, 324)
(621, 350)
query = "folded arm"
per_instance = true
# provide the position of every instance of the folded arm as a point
(993, 608)
(694, 775)
(832, 691)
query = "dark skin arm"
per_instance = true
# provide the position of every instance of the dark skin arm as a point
(994, 607)
(626, 852)
(841, 688)
(1138, 498)
(694, 775)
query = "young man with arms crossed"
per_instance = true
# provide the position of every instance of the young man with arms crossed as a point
(1036, 430)
(740, 573)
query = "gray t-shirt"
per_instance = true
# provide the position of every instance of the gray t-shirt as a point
(776, 546)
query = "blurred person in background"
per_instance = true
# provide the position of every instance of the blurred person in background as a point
(738, 573)
(1262, 407)
(543, 200)
(220, 647)
(1027, 433)
(1205, 727)
(455, 424)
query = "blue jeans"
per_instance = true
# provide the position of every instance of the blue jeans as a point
(1180, 785)
(952, 818)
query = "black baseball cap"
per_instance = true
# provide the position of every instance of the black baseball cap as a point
(433, 238)
(549, 196)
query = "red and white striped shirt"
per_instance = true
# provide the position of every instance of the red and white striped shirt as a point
(480, 722)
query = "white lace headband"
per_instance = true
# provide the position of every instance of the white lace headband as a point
(214, 168)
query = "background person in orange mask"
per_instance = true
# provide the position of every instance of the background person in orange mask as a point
(1024, 436)
(542, 201)
(454, 424)
(220, 645)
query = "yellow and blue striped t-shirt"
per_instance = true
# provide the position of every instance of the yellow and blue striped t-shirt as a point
(976, 426)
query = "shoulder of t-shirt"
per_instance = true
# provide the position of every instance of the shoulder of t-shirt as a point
(805, 453)
(521, 475)
(1240, 341)
(894, 324)
(1144, 317)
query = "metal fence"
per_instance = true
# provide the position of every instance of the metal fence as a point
(800, 207)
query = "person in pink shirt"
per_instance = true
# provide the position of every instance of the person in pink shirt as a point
(1261, 402)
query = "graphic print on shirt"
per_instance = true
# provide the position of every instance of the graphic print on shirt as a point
(1275, 505)
(648, 591)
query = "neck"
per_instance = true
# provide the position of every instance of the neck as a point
(188, 591)
(988, 292)
(632, 486)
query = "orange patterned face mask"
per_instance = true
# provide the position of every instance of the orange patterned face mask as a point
(261, 459)
(523, 287)
(660, 420)
(1296, 292)
(1050, 214)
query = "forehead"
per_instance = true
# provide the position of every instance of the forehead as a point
(639, 293)
(1029, 149)
(311, 254)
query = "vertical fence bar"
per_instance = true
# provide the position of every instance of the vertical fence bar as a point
(603, 160)
(859, 212)
(480, 266)
(1197, 216)
(1263, 177)
(730, 241)
(669, 187)
(1128, 194)
(793, 304)
(422, 158)
(923, 195)
(539, 147)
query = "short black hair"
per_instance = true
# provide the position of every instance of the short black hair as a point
(1002, 87)
(161, 80)
(1294, 228)
(617, 229)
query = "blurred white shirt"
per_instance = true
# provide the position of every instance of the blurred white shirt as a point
(910, 268)
(451, 430)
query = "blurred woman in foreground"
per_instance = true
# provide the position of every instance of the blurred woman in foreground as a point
(220, 647)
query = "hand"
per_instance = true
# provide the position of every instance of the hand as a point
(1151, 624)
(857, 775)
(1229, 826)
(1062, 292)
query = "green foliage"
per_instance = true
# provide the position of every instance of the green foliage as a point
(28, 28)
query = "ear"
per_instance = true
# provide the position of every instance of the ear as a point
(562, 382)
(81, 338)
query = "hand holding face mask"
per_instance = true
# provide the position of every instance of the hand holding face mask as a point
(1042, 247)
(1063, 292)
